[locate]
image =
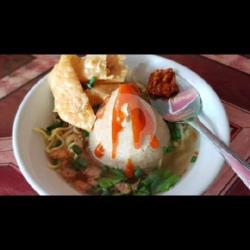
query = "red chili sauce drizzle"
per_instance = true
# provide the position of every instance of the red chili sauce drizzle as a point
(128, 94)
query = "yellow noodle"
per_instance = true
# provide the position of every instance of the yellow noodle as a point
(76, 130)
(42, 132)
(50, 147)
(51, 139)
(70, 146)
(53, 166)
(69, 139)
(68, 136)
(70, 149)
(57, 131)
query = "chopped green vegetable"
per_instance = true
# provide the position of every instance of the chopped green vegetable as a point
(193, 159)
(57, 143)
(91, 83)
(150, 178)
(79, 163)
(138, 172)
(108, 182)
(85, 133)
(55, 125)
(159, 181)
(142, 191)
(111, 177)
(165, 173)
(163, 185)
(175, 132)
(76, 149)
(105, 169)
(117, 173)
(167, 150)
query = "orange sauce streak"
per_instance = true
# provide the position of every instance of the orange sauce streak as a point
(117, 120)
(129, 170)
(99, 151)
(128, 94)
(154, 142)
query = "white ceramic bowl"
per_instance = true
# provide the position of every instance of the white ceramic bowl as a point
(36, 111)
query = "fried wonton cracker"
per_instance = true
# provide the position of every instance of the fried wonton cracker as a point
(71, 102)
(100, 91)
(105, 67)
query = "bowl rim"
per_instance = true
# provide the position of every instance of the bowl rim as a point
(39, 189)
(15, 146)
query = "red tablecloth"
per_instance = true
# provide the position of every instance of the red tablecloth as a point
(229, 75)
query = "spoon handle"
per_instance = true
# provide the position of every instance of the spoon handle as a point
(240, 167)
